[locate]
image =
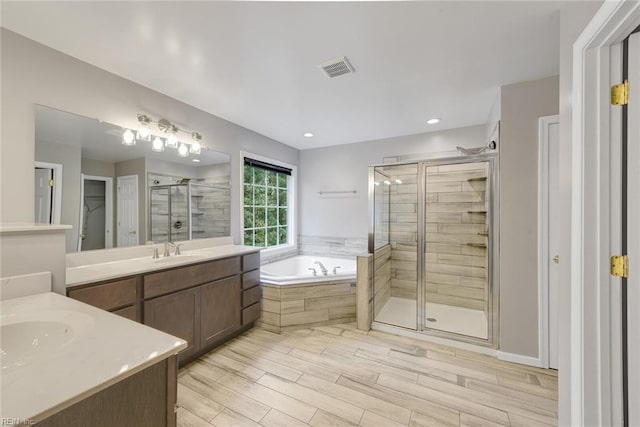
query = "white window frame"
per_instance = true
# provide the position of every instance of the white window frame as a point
(292, 186)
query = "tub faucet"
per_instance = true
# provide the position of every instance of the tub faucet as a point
(315, 273)
(335, 270)
(322, 268)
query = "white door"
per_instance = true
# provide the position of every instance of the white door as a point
(127, 200)
(44, 195)
(554, 243)
(633, 231)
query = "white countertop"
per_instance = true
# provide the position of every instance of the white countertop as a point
(92, 273)
(22, 227)
(100, 349)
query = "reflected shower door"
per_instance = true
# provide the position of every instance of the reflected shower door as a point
(395, 260)
(457, 295)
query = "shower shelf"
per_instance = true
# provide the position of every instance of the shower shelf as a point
(482, 178)
(477, 245)
(477, 212)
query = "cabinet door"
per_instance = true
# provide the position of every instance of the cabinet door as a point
(177, 314)
(219, 309)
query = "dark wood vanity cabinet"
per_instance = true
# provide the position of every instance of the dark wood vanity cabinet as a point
(177, 314)
(121, 297)
(204, 304)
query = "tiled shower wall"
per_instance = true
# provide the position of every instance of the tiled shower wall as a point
(455, 214)
(210, 207)
(403, 230)
(382, 277)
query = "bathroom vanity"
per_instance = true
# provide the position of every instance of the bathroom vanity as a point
(204, 296)
(69, 364)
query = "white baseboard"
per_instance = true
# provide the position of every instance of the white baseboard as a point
(518, 358)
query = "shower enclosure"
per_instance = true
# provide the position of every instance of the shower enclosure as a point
(187, 211)
(433, 233)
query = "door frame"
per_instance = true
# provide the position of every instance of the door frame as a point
(595, 303)
(108, 209)
(137, 208)
(544, 343)
(56, 204)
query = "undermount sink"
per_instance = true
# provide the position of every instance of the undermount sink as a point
(178, 259)
(23, 341)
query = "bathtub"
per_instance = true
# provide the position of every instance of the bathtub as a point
(295, 270)
(293, 298)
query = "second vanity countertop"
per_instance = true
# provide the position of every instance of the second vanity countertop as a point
(85, 274)
(58, 351)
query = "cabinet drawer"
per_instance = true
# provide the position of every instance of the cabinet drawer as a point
(251, 313)
(251, 261)
(168, 281)
(128, 313)
(251, 296)
(250, 279)
(108, 295)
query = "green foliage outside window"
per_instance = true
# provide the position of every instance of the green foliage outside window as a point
(265, 207)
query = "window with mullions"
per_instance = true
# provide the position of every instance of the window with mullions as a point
(266, 201)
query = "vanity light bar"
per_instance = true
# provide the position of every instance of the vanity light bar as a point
(157, 143)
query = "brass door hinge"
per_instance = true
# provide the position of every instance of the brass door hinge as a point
(620, 266)
(620, 93)
(50, 183)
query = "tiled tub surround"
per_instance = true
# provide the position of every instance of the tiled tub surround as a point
(332, 246)
(290, 302)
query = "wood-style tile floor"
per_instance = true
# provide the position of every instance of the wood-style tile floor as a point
(339, 376)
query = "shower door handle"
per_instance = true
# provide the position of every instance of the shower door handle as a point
(556, 259)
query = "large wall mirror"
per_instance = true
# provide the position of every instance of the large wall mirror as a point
(117, 195)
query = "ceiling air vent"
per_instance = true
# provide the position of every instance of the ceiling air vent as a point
(337, 67)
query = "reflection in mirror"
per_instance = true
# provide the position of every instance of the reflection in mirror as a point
(117, 195)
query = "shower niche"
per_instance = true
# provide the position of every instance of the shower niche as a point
(432, 234)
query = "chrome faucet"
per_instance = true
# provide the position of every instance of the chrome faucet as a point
(315, 273)
(322, 268)
(168, 245)
(335, 270)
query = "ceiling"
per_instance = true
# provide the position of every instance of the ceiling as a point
(103, 141)
(257, 63)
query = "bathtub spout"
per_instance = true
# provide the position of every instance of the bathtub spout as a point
(315, 273)
(322, 268)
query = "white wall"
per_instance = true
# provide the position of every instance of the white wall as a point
(35, 74)
(522, 104)
(345, 167)
(574, 17)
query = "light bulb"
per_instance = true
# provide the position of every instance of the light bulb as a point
(433, 121)
(398, 181)
(128, 138)
(308, 134)
(183, 150)
(376, 183)
(172, 141)
(387, 182)
(157, 145)
(195, 148)
(144, 133)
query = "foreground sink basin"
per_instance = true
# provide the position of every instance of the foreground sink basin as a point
(178, 259)
(24, 341)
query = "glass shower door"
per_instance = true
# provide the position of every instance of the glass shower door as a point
(395, 260)
(457, 294)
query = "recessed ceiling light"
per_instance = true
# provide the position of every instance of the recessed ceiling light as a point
(195, 160)
(308, 135)
(433, 121)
